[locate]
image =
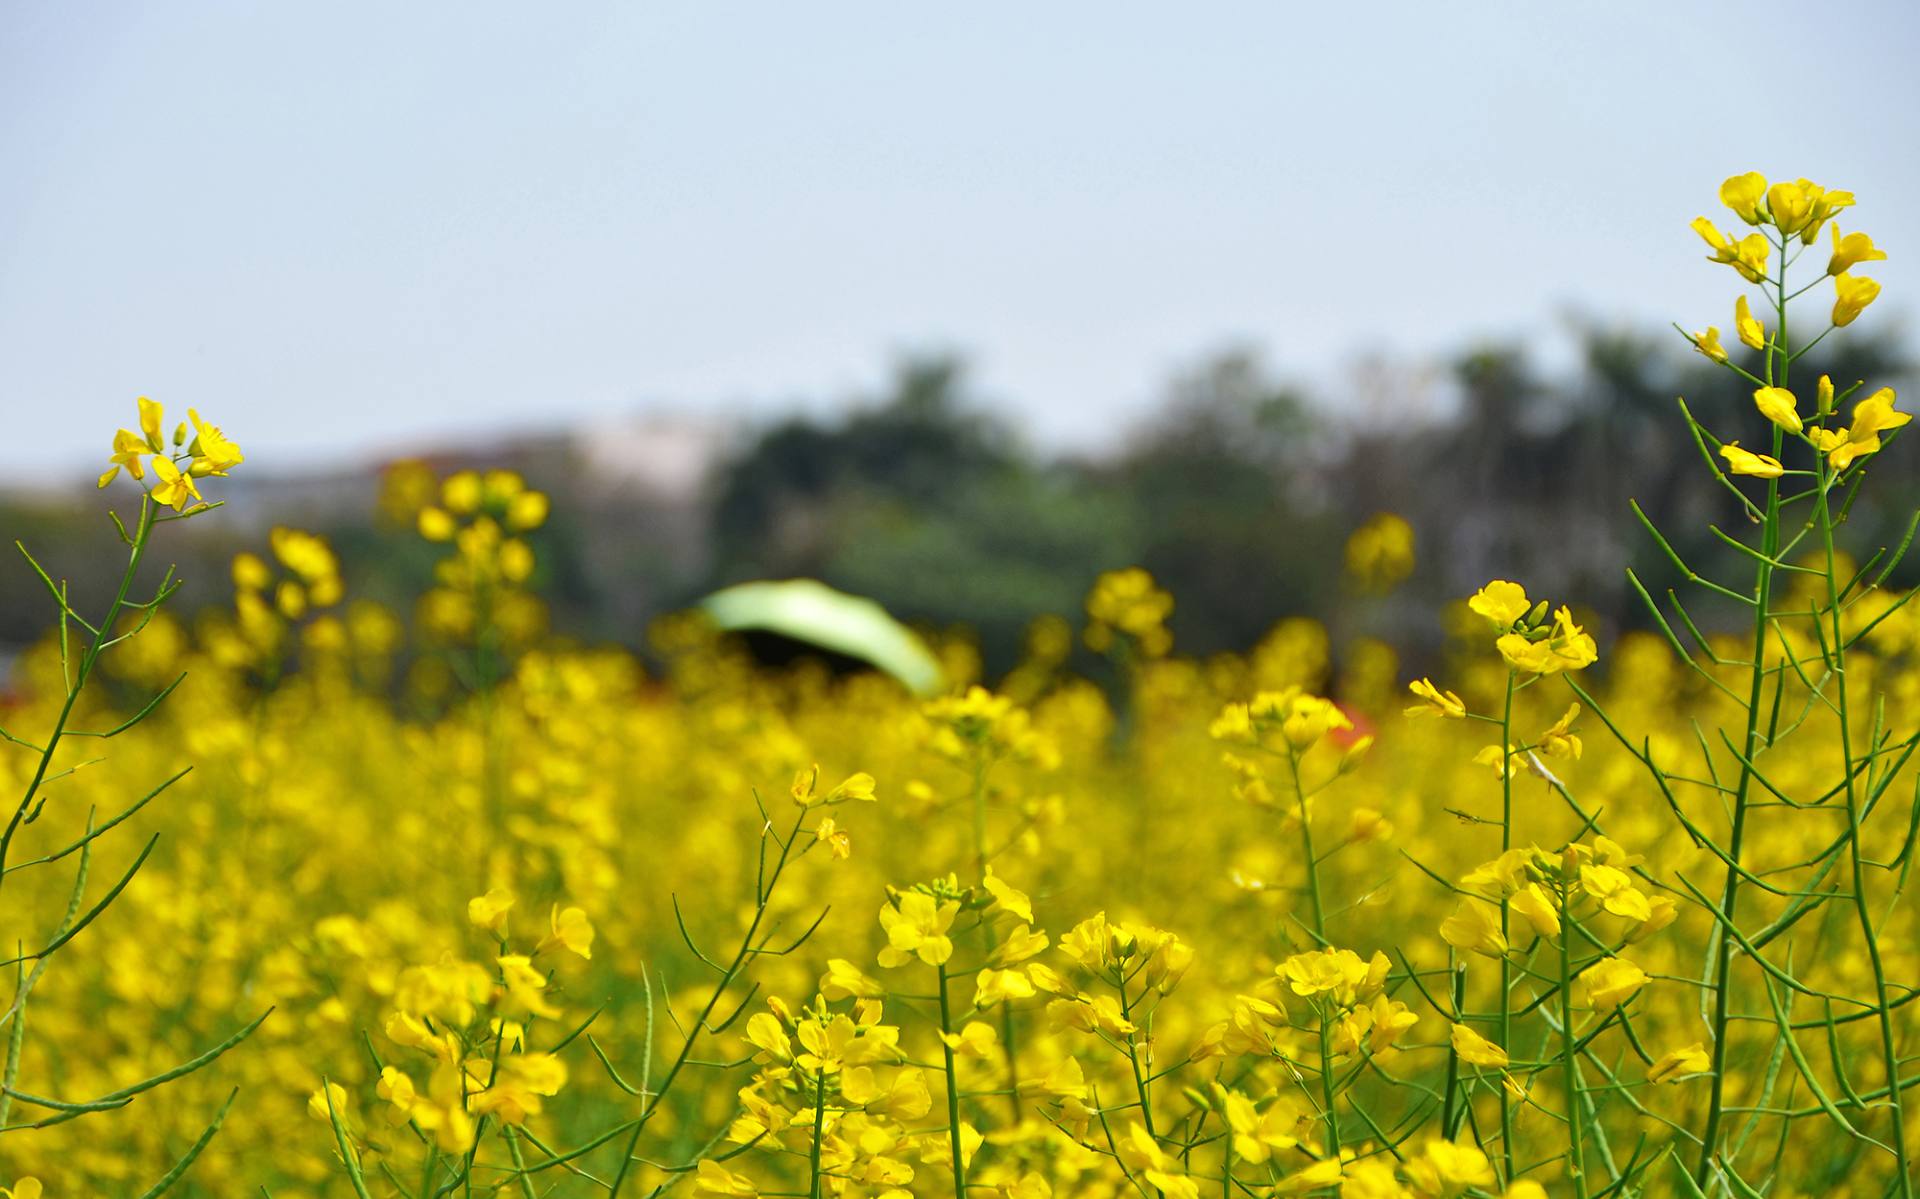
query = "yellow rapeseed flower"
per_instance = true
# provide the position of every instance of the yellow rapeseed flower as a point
(523, 988)
(569, 929)
(1871, 417)
(1259, 1135)
(1142, 1155)
(521, 1084)
(1380, 552)
(1559, 740)
(1608, 983)
(1503, 603)
(1127, 602)
(1746, 462)
(214, 453)
(1614, 890)
(1435, 701)
(1850, 297)
(462, 492)
(1475, 927)
(1747, 256)
(1743, 194)
(172, 487)
(152, 417)
(1028, 1186)
(1505, 875)
(1476, 1050)
(527, 510)
(1565, 646)
(1340, 973)
(916, 926)
(1532, 905)
(489, 911)
(1751, 331)
(435, 524)
(1778, 405)
(1678, 1065)
(1851, 250)
(1791, 207)
(992, 986)
(128, 449)
(1007, 898)
(1449, 1168)
(1824, 203)
(844, 980)
(1322, 1174)
(1708, 343)
(714, 1180)
(211, 453)
(333, 1094)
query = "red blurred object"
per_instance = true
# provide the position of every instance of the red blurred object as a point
(1362, 726)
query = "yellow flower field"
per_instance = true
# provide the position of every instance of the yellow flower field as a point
(433, 903)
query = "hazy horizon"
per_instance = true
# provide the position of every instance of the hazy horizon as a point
(358, 228)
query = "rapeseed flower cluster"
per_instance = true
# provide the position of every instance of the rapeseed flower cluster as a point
(459, 908)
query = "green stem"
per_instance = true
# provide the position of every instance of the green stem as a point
(1327, 1096)
(1451, 1111)
(1009, 1030)
(980, 813)
(1736, 838)
(1889, 1048)
(492, 786)
(16, 1043)
(519, 1163)
(1506, 916)
(143, 533)
(1140, 1086)
(1320, 935)
(1569, 1061)
(819, 1133)
(733, 970)
(953, 1090)
(1306, 847)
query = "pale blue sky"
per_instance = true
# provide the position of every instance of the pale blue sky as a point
(335, 227)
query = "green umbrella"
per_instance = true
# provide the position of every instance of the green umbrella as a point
(811, 612)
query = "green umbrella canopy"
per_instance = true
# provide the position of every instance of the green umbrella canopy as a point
(811, 612)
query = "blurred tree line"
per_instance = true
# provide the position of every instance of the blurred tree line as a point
(1237, 492)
